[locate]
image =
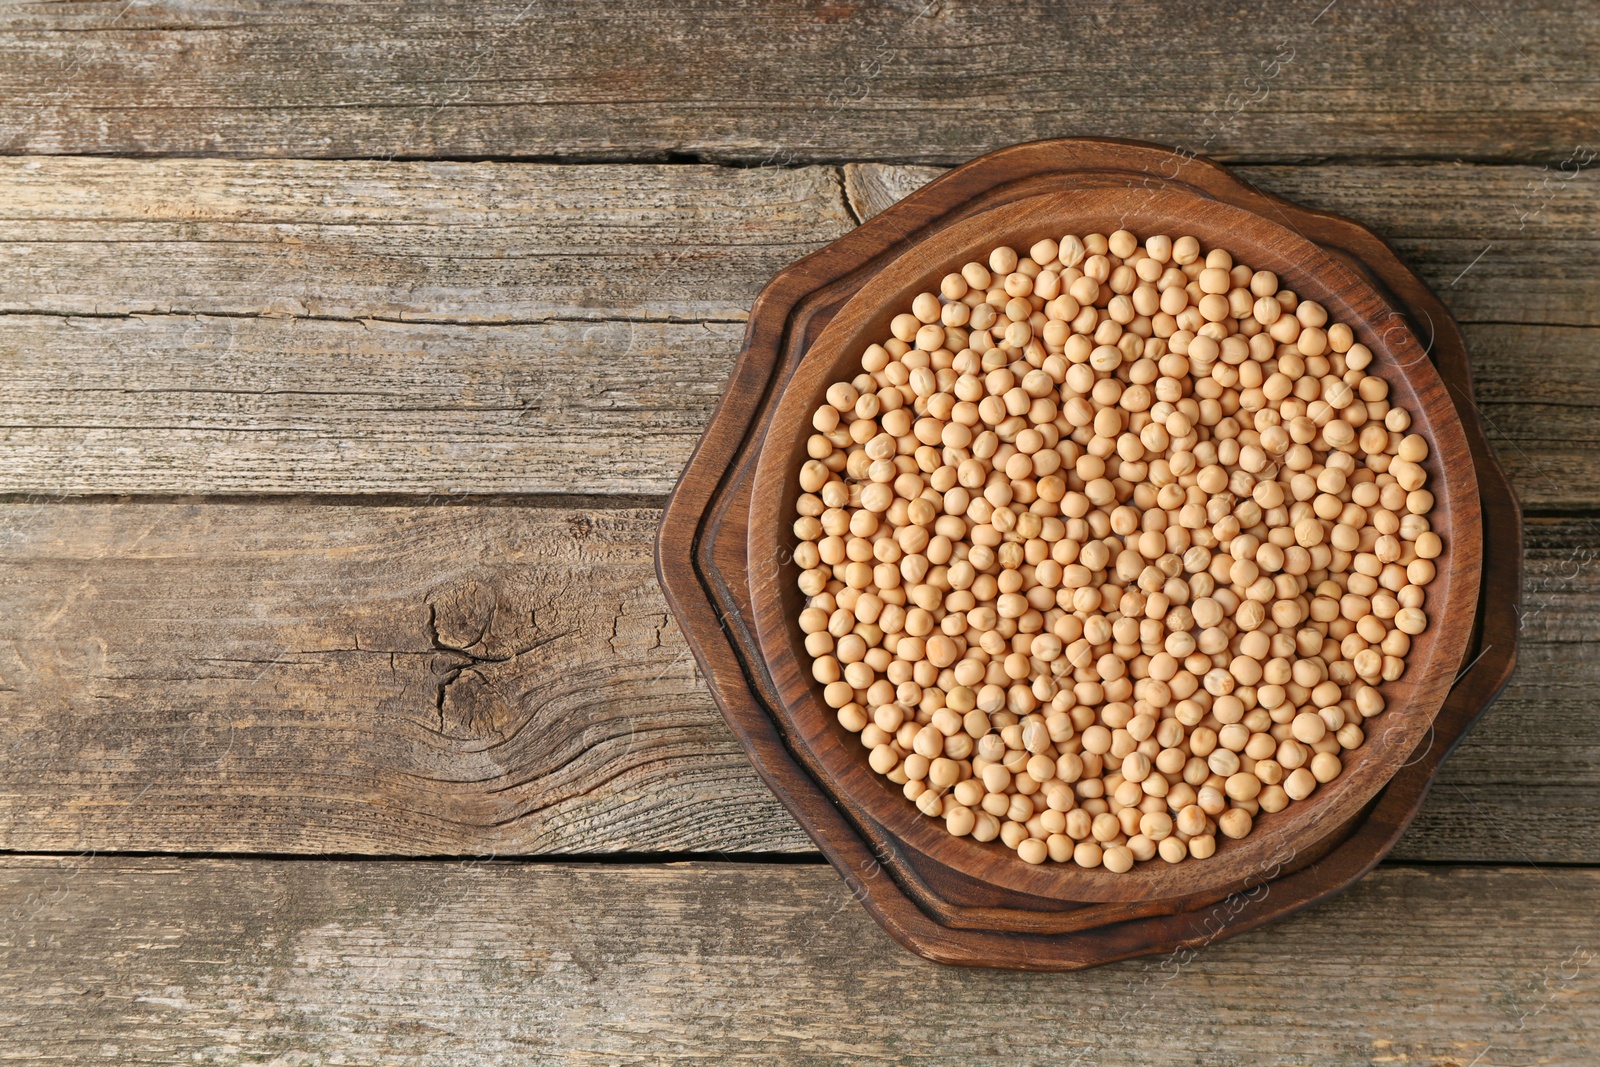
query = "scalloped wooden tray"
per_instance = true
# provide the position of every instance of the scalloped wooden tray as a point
(949, 911)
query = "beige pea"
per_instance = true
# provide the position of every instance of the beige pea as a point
(943, 772)
(1272, 799)
(1156, 825)
(1033, 851)
(1243, 786)
(883, 759)
(853, 717)
(1191, 820)
(1136, 766)
(1235, 823)
(1411, 621)
(1410, 475)
(969, 792)
(1413, 448)
(1003, 261)
(1118, 859)
(960, 820)
(1308, 728)
(1325, 766)
(1300, 783)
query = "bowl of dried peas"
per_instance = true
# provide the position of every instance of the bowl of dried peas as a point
(1129, 546)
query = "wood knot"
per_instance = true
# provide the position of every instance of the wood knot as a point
(481, 632)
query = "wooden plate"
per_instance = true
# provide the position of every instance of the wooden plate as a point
(725, 575)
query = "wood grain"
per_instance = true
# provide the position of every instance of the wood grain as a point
(473, 243)
(177, 404)
(263, 677)
(795, 81)
(305, 678)
(872, 188)
(494, 391)
(1538, 395)
(159, 960)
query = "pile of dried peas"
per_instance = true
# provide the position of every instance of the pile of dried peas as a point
(1108, 547)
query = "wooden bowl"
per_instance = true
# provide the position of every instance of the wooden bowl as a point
(1399, 358)
(723, 545)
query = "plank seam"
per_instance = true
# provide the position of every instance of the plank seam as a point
(732, 160)
(548, 320)
(531, 501)
(588, 859)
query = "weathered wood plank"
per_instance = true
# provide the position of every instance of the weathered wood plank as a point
(495, 392)
(157, 961)
(177, 404)
(473, 679)
(456, 679)
(1538, 395)
(441, 242)
(873, 187)
(757, 82)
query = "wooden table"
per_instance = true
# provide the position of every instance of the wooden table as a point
(349, 355)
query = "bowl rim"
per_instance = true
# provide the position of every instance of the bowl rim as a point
(1399, 358)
